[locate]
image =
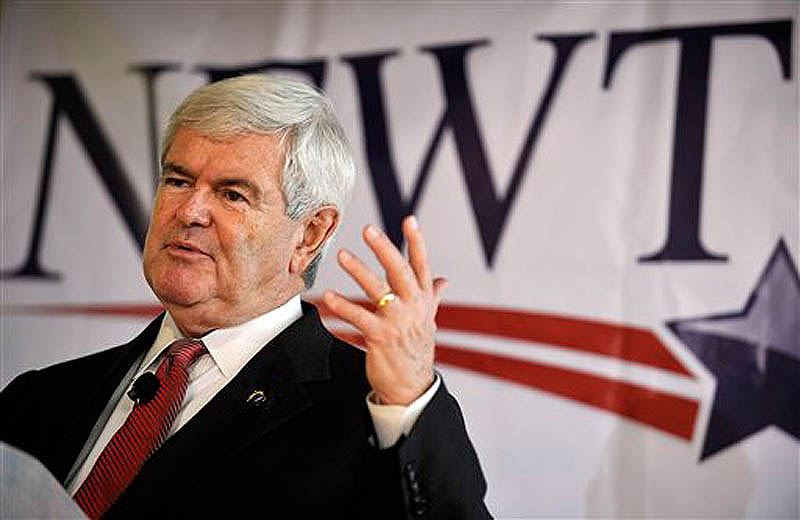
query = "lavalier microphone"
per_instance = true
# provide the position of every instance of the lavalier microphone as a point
(144, 388)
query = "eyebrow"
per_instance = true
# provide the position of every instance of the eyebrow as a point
(176, 168)
(225, 181)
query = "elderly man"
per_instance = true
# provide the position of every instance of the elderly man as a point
(237, 401)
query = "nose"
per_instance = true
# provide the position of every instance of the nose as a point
(195, 210)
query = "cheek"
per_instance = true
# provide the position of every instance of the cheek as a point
(256, 248)
(152, 237)
(268, 249)
(246, 253)
(158, 218)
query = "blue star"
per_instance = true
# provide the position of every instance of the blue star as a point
(754, 355)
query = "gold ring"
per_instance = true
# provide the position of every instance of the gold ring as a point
(385, 299)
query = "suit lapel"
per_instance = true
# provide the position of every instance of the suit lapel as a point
(112, 365)
(229, 423)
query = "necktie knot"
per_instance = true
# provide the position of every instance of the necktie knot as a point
(184, 352)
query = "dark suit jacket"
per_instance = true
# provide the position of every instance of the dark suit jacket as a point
(304, 453)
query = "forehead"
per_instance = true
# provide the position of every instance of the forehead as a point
(251, 156)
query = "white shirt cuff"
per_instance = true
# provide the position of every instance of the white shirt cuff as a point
(393, 420)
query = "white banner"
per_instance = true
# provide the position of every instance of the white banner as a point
(611, 189)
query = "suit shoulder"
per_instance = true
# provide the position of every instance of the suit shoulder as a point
(346, 356)
(64, 369)
(30, 407)
(347, 360)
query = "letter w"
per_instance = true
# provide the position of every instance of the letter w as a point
(491, 210)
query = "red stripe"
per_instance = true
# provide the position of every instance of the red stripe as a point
(669, 413)
(666, 412)
(618, 341)
(131, 310)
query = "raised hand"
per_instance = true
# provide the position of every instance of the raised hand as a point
(399, 334)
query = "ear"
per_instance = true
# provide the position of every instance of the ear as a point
(317, 229)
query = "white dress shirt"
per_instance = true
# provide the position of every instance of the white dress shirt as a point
(229, 351)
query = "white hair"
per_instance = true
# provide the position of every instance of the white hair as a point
(318, 166)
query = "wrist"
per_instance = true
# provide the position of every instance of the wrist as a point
(403, 398)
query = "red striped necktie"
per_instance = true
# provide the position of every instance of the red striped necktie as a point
(145, 429)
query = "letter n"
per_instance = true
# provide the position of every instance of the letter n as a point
(70, 101)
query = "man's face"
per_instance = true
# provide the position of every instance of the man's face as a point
(219, 245)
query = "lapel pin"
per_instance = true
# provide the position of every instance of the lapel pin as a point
(257, 399)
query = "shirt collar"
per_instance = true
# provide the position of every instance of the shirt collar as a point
(230, 348)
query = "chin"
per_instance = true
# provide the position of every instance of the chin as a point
(179, 290)
(183, 297)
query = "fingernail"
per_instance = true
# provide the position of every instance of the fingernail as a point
(371, 232)
(412, 220)
(345, 255)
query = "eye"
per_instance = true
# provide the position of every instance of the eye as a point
(176, 182)
(233, 196)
